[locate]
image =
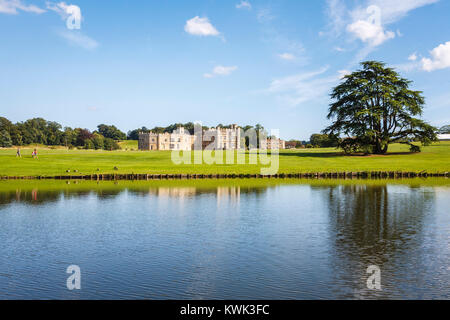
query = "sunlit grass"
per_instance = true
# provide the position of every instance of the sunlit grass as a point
(58, 161)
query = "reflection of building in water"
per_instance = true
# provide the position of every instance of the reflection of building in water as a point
(228, 194)
(178, 192)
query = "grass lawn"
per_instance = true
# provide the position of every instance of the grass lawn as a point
(435, 158)
(131, 145)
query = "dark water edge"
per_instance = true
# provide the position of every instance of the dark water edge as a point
(225, 239)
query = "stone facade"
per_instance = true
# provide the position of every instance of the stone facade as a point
(215, 138)
(222, 138)
(270, 144)
(178, 140)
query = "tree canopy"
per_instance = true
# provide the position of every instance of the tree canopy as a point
(41, 131)
(374, 107)
(111, 132)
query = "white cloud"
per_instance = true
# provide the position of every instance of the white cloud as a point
(65, 10)
(244, 5)
(371, 33)
(78, 39)
(297, 89)
(221, 71)
(200, 27)
(440, 58)
(287, 56)
(368, 21)
(391, 11)
(343, 73)
(412, 57)
(339, 49)
(13, 6)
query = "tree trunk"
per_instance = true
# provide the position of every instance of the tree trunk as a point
(377, 149)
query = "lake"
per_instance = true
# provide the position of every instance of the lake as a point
(230, 239)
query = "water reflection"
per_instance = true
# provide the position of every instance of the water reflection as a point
(385, 226)
(36, 196)
(225, 240)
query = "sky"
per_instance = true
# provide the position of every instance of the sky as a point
(153, 63)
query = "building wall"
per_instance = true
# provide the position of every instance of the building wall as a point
(179, 140)
(222, 139)
(270, 144)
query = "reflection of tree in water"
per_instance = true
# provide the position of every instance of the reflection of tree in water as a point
(374, 225)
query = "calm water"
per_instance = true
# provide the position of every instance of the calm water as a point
(225, 241)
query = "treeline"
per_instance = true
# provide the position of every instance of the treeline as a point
(41, 131)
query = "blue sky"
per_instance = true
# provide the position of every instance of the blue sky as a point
(148, 63)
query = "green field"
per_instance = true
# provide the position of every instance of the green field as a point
(57, 161)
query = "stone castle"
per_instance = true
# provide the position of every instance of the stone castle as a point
(213, 139)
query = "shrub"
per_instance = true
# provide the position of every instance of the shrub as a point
(88, 144)
(5, 139)
(110, 144)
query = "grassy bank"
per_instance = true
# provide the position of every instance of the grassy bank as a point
(58, 161)
(245, 184)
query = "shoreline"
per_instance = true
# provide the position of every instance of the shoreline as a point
(316, 175)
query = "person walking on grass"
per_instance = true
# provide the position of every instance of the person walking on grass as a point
(34, 154)
(18, 153)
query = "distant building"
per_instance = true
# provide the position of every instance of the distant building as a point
(178, 140)
(270, 144)
(222, 138)
(291, 144)
(215, 138)
(443, 137)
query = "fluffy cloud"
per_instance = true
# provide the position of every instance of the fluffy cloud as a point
(220, 71)
(244, 5)
(368, 21)
(200, 27)
(391, 11)
(371, 33)
(287, 56)
(65, 10)
(13, 7)
(440, 58)
(412, 57)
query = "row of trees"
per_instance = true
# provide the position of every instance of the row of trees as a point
(40, 131)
